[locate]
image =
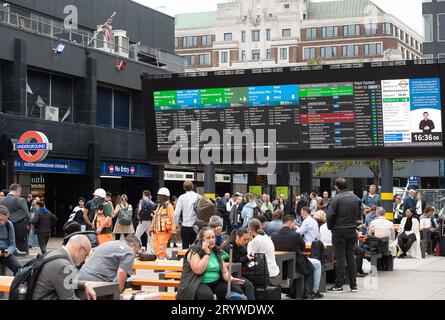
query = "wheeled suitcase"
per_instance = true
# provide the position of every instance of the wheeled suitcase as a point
(268, 293)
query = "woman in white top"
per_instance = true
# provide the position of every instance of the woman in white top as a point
(409, 236)
(325, 233)
(261, 243)
(120, 229)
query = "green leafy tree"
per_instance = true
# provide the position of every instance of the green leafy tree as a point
(315, 61)
(338, 166)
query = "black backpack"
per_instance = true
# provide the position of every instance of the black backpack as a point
(23, 285)
(257, 271)
(256, 212)
(146, 210)
(318, 251)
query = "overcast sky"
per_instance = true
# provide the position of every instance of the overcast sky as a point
(409, 11)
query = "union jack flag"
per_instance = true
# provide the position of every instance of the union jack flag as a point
(108, 33)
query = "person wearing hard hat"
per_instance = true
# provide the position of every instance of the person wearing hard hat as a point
(97, 215)
(162, 225)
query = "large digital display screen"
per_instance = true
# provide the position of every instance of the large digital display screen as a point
(389, 113)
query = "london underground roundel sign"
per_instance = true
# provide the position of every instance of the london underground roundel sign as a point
(33, 146)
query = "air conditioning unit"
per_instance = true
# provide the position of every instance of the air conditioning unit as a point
(51, 113)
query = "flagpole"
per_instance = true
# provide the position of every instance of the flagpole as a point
(97, 32)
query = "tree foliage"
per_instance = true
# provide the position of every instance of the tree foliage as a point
(333, 167)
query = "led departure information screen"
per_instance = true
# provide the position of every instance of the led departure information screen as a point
(390, 113)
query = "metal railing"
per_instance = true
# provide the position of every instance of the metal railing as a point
(82, 37)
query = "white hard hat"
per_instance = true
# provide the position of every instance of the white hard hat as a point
(164, 192)
(100, 193)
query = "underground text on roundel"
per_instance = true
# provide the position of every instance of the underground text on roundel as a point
(223, 310)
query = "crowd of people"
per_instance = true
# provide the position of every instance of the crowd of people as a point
(245, 225)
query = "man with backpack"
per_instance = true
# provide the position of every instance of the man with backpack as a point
(7, 242)
(185, 214)
(145, 209)
(91, 207)
(53, 278)
(19, 216)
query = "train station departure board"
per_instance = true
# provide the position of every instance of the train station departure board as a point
(397, 113)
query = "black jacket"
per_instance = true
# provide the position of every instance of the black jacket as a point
(291, 241)
(44, 221)
(409, 203)
(344, 211)
(239, 253)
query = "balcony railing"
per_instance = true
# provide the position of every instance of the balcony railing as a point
(82, 37)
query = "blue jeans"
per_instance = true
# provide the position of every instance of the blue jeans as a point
(317, 273)
(32, 238)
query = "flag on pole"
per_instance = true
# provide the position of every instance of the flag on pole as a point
(108, 33)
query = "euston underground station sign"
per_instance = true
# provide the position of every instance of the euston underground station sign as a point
(33, 146)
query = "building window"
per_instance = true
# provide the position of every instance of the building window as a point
(255, 35)
(309, 53)
(104, 107)
(373, 49)
(255, 55)
(268, 54)
(371, 29)
(190, 41)
(328, 52)
(121, 110)
(176, 42)
(401, 35)
(62, 96)
(412, 42)
(311, 33)
(227, 37)
(268, 35)
(206, 40)
(329, 32)
(47, 94)
(351, 51)
(243, 36)
(224, 57)
(351, 30)
(243, 55)
(286, 33)
(407, 38)
(286, 6)
(204, 59)
(190, 60)
(283, 53)
(441, 27)
(386, 28)
(440, 56)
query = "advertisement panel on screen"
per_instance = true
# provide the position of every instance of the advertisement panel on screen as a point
(375, 113)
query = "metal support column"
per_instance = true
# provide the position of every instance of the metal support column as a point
(209, 180)
(387, 187)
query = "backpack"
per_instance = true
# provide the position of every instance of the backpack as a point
(125, 216)
(76, 216)
(23, 285)
(318, 251)
(204, 209)
(257, 271)
(256, 212)
(146, 210)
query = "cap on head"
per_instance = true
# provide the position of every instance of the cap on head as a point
(100, 193)
(164, 192)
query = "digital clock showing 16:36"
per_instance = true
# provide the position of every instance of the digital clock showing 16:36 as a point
(427, 137)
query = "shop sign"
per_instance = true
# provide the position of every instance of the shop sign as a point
(179, 176)
(33, 146)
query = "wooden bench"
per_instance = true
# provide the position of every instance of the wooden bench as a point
(164, 295)
(137, 283)
(172, 275)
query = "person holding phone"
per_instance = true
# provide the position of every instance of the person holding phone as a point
(204, 273)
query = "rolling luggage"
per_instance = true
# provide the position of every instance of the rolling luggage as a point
(268, 293)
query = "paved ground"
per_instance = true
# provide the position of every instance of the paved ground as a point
(411, 279)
